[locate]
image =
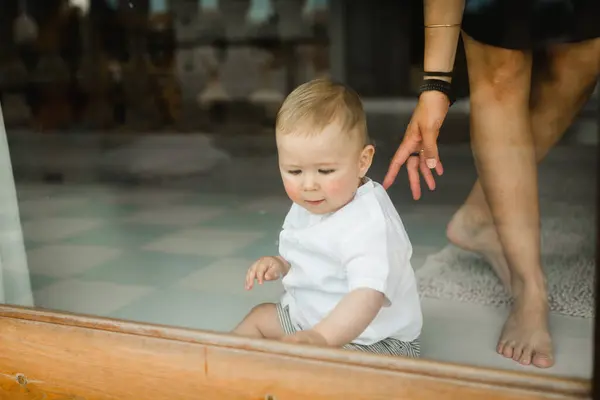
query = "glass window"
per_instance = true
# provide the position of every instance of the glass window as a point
(142, 173)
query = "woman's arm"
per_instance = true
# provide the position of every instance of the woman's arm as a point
(442, 27)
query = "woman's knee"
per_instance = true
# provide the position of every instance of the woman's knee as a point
(576, 64)
(571, 71)
(497, 73)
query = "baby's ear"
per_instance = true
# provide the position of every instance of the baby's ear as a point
(366, 159)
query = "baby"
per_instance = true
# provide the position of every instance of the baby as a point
(344, 255)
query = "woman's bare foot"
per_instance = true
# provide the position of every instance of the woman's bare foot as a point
(472, 230)
(525, 337)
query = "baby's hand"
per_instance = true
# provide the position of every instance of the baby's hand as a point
(265, 269)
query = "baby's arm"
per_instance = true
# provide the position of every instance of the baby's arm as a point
(372, 283)
(350, 317)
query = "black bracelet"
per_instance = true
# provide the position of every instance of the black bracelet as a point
(438, 85)
(438, 73)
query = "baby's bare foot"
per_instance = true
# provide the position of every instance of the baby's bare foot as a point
(525, 337)
(472, 231)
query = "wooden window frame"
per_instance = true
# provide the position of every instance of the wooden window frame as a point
(68, 356)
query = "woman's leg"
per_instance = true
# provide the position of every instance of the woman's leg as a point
(503, 148)
(556, 101)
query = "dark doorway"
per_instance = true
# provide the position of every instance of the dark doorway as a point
(377, 47)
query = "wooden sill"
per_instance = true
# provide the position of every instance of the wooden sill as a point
(68, 356)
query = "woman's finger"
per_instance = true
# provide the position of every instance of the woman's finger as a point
(395, 165)
(439, 168)
(430, 149)
(412, 167)
(427, 174)
(404, 151)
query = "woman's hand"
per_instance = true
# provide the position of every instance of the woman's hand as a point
(421, 137)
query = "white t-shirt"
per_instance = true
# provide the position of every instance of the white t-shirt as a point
(362, 245)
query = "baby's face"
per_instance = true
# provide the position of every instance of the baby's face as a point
(322, 170)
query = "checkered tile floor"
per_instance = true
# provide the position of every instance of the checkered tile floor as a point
(153, 255)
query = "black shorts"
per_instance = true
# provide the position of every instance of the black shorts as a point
(531, 24)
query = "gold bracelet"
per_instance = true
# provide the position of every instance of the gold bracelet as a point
(442, 25)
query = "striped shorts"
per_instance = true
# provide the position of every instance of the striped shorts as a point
(389, 346)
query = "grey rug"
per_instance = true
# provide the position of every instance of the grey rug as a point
(568, 253)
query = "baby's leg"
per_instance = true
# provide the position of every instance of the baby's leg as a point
(390, 347)
(261, 322)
